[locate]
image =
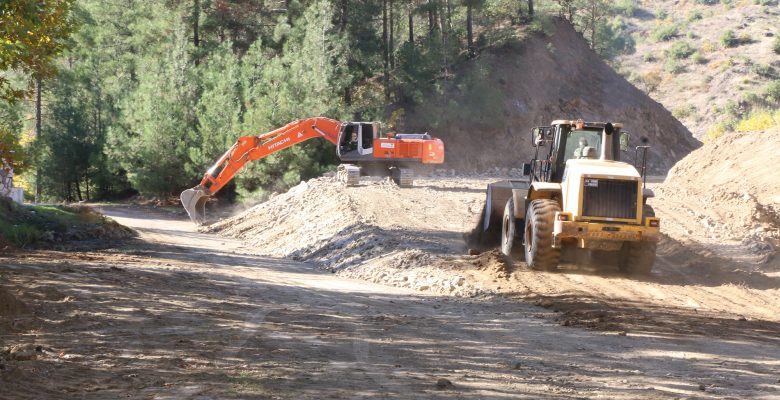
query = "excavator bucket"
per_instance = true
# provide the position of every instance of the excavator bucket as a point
(194, 201)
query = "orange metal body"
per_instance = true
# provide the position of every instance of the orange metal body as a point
(428, 151)
(250, 148)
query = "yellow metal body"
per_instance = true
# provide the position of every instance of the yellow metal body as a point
(599, 232)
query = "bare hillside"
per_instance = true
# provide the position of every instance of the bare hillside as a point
(549, 77)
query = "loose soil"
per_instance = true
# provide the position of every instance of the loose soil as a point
(181, 314)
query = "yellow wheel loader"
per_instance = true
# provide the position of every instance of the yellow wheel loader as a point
(577, 197)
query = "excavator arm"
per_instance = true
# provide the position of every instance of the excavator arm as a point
(250, 148)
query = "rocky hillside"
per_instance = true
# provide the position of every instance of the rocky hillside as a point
(710, 62)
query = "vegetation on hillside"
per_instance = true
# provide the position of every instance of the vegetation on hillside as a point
(712, 63)
(149, 93)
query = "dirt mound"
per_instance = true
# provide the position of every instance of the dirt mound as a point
(723, 197)
(541, 79)
(405, 237)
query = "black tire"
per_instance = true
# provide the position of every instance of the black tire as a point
(638, 258)
(539, 220)
(511, 244)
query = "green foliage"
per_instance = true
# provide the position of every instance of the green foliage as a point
(729, 39)
(776, 45)
(219, 108)
(684, 112)
(715, 132)
(695, 15)
(32, 33)
(680, 50)
(758, 121)
(763, 70)
(625, 7)
(26, 225)
(772, 92)
(665, 32)
(11, 150)
(613, 39)
(673, 66)
(162, 124)
(698, 58)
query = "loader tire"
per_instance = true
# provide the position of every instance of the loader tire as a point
(511, 245)
(637, 258)
(539, 220)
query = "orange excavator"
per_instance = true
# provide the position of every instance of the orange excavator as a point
(359, 145)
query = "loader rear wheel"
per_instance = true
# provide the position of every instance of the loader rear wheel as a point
(637, 258)
(511, 245)
(539, 220)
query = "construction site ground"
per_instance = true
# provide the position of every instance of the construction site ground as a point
(368, 291)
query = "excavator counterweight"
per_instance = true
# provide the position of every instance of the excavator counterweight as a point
(358, 145)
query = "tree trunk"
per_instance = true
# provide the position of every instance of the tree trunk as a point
(469, 30)
(444, 38)
(411, 22)
(530, 8)
(347, 96)
(391, 44)
(38, 136)
(86, 184)
(78, 190)
(449, 15)
(593, 22)
(195, 23)
(431, 17)
(344, 9)
(385, 50)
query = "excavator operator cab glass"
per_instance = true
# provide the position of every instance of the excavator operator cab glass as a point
(576, 142)
(367, 136)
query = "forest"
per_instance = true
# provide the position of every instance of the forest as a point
(102, 99)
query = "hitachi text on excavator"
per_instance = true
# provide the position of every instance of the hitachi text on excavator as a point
(360, 146)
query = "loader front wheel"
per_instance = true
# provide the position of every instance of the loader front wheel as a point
(637, 258)
(511, 245)
(539, 220)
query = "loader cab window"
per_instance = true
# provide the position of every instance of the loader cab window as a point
(577, 140)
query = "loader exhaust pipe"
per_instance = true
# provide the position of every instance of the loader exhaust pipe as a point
(607, 152)
(194, 202)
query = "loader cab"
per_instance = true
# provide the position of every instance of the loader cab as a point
(565, 140)
(357, 138)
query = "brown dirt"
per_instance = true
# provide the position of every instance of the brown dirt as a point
(543, 79)
(723, 199)
(180, 314)
(10, 306)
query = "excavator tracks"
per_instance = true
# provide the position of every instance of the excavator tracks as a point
(349, 174)
(403, 177)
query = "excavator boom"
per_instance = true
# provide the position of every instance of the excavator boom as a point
(358, 145)
(250, 148)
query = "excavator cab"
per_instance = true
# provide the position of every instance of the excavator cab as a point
(356, 139)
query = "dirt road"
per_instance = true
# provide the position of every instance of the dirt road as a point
(180, 314)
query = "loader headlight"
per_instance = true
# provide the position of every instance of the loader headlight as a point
(654, 222)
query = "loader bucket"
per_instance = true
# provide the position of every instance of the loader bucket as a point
(194, 201)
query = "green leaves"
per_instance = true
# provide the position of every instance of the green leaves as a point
(34, 33)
